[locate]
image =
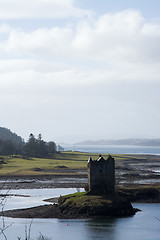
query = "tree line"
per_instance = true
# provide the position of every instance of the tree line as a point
(34, 147)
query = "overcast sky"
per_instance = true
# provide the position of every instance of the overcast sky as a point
(75, 70)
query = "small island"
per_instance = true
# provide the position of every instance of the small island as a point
(101, 199)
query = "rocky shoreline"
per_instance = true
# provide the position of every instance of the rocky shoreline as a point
(73, 207)
(82, 205)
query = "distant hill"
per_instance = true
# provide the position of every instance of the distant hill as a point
(129, 141)
(7, 135)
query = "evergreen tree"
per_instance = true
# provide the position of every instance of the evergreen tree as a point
(52, 148)
(31, 146)
(42, 146)
(38, 147)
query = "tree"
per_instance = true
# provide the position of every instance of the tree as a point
(31, 146)
(8, 148)
(52, 148)
(42, 146)
(38, 147)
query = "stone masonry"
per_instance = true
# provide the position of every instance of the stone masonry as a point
(101, 175)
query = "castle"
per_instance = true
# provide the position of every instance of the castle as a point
(101, 175)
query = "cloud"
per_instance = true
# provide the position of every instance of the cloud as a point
(40, 42)
(25, 78)
(118, 38)
(5, 28)
(96, 76)
(45, 9)
(124, 36)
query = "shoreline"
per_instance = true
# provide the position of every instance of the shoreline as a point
(77, 206)
(131, 170)
(120, 206)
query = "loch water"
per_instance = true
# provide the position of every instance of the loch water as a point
(114, 149)
(145, 225)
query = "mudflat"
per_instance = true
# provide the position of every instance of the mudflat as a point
(131, 171)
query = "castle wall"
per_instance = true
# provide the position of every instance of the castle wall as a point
(101, 175)
(110, 175)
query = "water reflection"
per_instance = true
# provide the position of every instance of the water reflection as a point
(101, 228)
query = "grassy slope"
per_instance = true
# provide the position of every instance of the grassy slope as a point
(71, 160)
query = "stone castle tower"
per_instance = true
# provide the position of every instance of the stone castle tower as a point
(101, 175)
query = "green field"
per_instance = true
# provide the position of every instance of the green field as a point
(11, 165)
(18, 165)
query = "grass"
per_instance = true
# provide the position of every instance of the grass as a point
(141, 193)
(38, 166)
(83, 200)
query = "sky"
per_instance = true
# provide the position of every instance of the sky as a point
(76, 70)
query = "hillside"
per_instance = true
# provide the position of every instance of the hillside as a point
(129, 141)
(7, 135)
